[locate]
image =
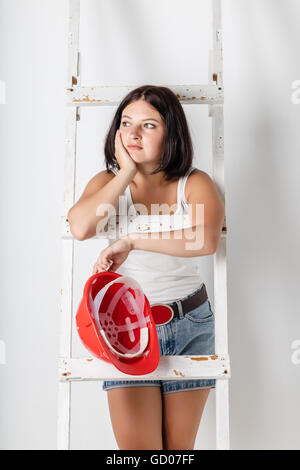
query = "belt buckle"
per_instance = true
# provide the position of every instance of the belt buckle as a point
(161, 315)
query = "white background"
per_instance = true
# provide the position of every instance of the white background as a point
(162, 42)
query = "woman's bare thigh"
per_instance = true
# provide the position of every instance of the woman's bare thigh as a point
(136, 417)
(182, 413)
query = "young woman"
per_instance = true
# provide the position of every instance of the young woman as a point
(148, 153)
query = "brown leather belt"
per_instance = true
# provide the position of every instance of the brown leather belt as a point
(187, 305)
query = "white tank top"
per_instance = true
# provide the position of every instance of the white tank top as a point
(163, 278)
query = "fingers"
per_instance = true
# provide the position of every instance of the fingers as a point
(102, 266)
(118, 138)
(117, 145)
(97, 268)
(118, 141)
(107, 266)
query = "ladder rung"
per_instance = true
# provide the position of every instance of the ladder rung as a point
(113, 95)
(67, 235)
(169, 368)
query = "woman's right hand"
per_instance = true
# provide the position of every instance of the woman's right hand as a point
(124, 159)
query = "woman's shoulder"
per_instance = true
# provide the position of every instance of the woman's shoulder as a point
(96, 183)
(104, 175)
(196, 174)
(196, 178)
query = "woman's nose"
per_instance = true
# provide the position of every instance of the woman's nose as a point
(135, 132)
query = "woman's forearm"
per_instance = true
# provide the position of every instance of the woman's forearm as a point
(84, 216)
(191, 242)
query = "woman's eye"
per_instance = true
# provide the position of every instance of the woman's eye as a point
(147, 123)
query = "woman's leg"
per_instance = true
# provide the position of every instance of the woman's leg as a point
(182, 414)
(136, 417)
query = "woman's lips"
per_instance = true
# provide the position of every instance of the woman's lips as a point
(135, 147)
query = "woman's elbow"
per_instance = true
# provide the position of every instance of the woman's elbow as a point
(215, 240)
(77, 232)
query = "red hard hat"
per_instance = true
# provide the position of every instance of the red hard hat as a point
(115, 323)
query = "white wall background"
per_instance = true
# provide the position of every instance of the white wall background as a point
(164, 43)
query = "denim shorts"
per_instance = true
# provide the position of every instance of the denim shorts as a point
(192, 334)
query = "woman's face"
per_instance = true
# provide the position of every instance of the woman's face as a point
(142, 125)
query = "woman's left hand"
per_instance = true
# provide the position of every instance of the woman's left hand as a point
(111, 258)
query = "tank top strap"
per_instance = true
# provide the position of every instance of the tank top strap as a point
(181, 186)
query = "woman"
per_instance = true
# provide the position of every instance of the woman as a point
(148, 153)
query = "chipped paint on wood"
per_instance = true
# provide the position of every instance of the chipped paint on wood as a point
(178, 373)
(112, 95)
(86, 99)
(169, 368)
(204, 358)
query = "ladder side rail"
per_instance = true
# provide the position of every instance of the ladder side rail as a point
(73, 44)
(217, 43)
(64, 389)
(220, 278)
(221, 335)
(65, 340)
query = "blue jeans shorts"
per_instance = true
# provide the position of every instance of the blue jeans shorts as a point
(192, 334)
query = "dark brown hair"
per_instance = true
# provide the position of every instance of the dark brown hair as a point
(178, 148)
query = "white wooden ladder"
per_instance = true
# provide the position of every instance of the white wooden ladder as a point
(89, 368)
